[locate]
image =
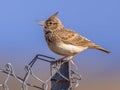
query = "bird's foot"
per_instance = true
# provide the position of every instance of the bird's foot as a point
(59, 61)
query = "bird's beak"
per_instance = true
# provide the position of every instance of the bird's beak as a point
(42, 23)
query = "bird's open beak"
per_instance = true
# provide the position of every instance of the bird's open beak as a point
(42, 23)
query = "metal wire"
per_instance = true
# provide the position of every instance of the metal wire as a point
(9, 71)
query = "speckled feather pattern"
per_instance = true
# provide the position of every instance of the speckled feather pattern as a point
(64, 41)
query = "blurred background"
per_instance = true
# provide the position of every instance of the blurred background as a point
(21, 38)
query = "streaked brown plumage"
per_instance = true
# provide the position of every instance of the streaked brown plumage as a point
(64, 41)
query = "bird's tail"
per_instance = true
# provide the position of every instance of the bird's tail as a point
(101, 49)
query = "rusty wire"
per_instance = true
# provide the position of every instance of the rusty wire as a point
(9, 71)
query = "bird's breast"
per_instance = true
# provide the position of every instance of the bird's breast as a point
(67, 49)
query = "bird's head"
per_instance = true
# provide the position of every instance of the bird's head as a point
(52, 23)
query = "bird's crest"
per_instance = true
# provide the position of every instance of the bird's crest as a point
(54, 15)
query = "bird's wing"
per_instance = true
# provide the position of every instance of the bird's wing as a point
(71, 37)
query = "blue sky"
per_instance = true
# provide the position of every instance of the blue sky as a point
(21, 38)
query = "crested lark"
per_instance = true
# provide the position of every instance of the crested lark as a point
(64, 41)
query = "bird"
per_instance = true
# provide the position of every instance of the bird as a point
(64, 41)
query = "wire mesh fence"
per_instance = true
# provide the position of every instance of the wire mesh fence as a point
(59, 75)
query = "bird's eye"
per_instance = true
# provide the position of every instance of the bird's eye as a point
(50, 23)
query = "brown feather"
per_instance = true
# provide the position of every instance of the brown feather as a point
(102, 49)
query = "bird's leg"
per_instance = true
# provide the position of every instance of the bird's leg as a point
(69, 59)
(59, 61)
